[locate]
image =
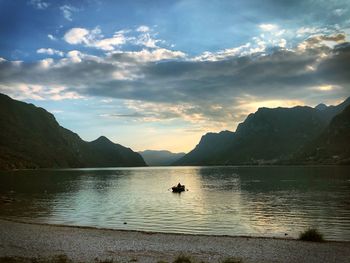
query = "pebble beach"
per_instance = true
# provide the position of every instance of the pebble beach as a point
(85, 244)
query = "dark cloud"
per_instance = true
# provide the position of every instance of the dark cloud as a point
(336, 69)
(197, 84)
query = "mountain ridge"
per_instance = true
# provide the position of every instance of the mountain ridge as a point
(332, 145)
(32, 138)
(268, 136)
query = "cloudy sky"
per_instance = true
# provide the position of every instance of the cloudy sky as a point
(159, 74)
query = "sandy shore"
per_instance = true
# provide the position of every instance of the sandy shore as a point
(86, 244)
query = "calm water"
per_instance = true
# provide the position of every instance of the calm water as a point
(256, 201)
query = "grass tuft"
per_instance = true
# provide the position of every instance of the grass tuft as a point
(183, 259)
(311, 234)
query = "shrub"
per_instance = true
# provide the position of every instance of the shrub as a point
(311, 234)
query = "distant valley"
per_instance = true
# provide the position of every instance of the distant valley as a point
(160, 158)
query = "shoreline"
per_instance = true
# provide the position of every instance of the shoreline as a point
(157, 232)
(151, 232)
(80, 243)
(179, 166)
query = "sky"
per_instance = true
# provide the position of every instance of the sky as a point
(160, 74)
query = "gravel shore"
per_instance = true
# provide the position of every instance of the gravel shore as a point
(85, 244)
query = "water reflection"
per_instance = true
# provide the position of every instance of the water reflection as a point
(262, 201)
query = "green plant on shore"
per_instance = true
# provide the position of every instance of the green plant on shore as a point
(312, 234)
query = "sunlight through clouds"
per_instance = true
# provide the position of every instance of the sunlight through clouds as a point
(268, 27)
(176, 65)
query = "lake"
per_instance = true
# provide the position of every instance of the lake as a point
(252, 201)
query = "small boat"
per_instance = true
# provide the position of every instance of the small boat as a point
(178, 188)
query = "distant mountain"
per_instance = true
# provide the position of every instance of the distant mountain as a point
(31, 138)
(267, 136)
(160, 158)
(330, 111)
(333, 145)
(106, 153)
(321, 107)
(111, 154)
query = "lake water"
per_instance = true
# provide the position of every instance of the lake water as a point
(254, 201)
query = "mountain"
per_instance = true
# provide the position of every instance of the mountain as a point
(330, 111)
(32, 138)
(111, 154)
(265, 137)
(160, 158)
(333, 145)
(321, 107)
(209, 150)
(271, 135)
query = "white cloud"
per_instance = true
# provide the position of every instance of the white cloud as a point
(143, 29)
(75, 56)
(152, 55)
(339, 11)
(223, 54)
(268, 27)
(109, 44)
(51, 37)
(23, 91)
(279, 33)
(257, 47)
(50, 51)
(67, 11)
(94, 38)
(310, 31)
(77, 35)
(282, 43)
(39, 4)
(147, 40)
(46, 63)
(274, 37)
(317, 41)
